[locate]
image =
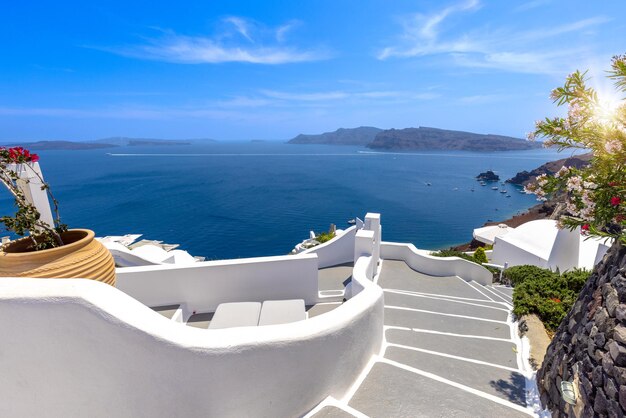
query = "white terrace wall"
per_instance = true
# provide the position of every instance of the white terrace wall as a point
(78, 348)
(204, 285)
(338, 250)
(435, 266)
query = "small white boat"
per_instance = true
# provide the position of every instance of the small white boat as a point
(494, 188)
(503, 191)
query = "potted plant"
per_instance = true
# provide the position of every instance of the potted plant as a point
(45, 250)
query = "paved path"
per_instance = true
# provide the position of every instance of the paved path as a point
(450, 350)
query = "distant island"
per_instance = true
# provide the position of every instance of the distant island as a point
(362, 135)
(488, 176)
(117, 141)
(421, 138)
(62, 145)
(424, 138)
(135, 142)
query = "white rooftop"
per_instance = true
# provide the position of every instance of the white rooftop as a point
(488, 234)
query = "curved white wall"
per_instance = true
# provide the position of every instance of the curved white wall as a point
(435, 266)
(338, 250)
(81, 348)
(204, 285)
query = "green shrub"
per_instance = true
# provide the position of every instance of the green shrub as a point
(453, 253)
(324, 236)
(519, 274)
(576, 279)
(547, 294)
(479, 256)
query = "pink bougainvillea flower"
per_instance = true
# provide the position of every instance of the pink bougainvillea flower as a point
(615, 201)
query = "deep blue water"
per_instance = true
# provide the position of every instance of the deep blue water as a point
(242, 199)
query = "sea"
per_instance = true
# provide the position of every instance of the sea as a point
(251, 198)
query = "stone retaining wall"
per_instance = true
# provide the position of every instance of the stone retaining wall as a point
(589, 347)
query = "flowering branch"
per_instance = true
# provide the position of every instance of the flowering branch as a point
(595, 196)
(27, 219)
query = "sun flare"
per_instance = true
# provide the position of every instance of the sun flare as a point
(607, 106)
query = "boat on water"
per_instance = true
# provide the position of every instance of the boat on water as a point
(482, 183)
(428, 184)
(494, 188)
(503, 191)
(508, 195)
(351, 221)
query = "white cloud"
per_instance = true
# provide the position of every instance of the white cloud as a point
(281, 31)
(305, 97)
(531, 5)
(240, 25)
(539, 50)
(220, 48)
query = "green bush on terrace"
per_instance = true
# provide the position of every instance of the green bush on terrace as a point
(480, 256)
(547, 294)
(324, 237)
(453, 253)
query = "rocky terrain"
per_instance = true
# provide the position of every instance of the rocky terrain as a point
(589, 347)
(524, 177)
(488, 176)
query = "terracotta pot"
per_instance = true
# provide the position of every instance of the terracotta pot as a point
(81, 257)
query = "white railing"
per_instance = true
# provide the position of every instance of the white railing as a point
(338, 250)
(435, 266)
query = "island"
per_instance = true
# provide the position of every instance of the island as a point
(62, 145)
(424, 138)
(525, 177)
(362, 135)
(488, 176)
(123, 141)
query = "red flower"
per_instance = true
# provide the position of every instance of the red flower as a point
(585, 227)
(555, 300)
(613, 183)
(620, 218)
(615, 201)
(34, 157)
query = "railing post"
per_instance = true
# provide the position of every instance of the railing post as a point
(372, 223)
(502, 271)
(364, 246)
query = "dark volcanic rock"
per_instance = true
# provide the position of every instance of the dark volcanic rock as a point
(488, 176)
(362, 135)
(588, 347)
(424, 138)
(524, 177)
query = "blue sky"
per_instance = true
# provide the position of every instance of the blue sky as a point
(270, 70)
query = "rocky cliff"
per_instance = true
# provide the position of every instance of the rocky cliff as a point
(589, 347)
(524, 177)
(362, 135)
(424, 138)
